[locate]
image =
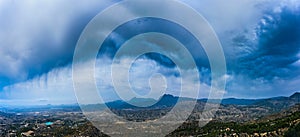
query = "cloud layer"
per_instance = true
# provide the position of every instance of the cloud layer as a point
(56, 86)
(37, 36)
(37, 39)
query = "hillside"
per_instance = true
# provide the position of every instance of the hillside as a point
(278, 116)
(283, 124)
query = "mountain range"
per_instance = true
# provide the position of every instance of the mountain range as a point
(278, 116)
(168, 101)
(276, 103)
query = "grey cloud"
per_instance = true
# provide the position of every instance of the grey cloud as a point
(267, 55)
(38, 36)
(276, 47)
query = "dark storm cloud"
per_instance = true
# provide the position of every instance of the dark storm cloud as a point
(275, 48)
(144, 25)
(263, 60)
(35, 41)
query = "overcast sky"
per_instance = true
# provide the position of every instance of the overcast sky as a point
(260, 38)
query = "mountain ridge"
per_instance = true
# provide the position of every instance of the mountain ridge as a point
(168, 100)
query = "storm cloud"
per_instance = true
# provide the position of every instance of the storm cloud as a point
(260, 39)
(36, 36)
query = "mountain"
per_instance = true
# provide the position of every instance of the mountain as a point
(164, 101)
(295, 97)
(279, 103)
(167, 101)
(275, 102)
(232, 101)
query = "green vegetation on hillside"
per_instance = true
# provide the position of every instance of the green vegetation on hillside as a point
(285, 125)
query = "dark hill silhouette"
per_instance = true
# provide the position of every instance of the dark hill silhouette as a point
(167, 101)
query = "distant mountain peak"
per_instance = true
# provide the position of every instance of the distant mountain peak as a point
(295, 95)
(167, 96)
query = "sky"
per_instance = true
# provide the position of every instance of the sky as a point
(260, 39)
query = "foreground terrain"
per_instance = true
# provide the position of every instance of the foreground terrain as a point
(272, 117)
